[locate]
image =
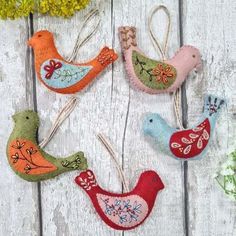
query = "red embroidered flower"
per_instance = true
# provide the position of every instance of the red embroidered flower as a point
(51, 68)
(162, 73)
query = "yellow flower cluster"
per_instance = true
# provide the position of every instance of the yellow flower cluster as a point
(61, 7)
(13, 9)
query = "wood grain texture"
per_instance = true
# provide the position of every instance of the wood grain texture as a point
(19, 199)
(208, 25)
(65, 207)
(111, 106)
(137, 152)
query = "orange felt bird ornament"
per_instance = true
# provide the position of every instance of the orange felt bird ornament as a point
(62, 76)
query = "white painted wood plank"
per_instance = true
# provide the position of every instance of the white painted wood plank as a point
(209, 25)
(167, 216)
(18, 200)
(66, 208)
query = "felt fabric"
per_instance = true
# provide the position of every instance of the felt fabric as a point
(66, 75)
(122, 211)
(153, 76)
(28, 160)
(59, 75)
(189, 144)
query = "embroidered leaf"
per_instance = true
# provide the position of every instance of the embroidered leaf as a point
(205, 135)
(185, 140)
(89, 182)
(199, 143)
(192, 135)
(175, 145)
(197, 129)
(187, 149)
(182, 147)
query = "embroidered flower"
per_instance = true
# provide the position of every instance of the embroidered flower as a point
(162, 73)
(125, 211)
(51, 68)
(27, 168)
(15, 157)
(31, 151)
(18, 145)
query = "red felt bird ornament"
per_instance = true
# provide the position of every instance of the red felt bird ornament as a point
(122, 211)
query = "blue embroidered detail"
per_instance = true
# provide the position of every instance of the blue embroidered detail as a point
(124, 210)
(64, 75)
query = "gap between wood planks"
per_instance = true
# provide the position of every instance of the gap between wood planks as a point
(184, 106)
(32, 75)
(184, 165)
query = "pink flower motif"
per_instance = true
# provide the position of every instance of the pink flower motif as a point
(51, 68)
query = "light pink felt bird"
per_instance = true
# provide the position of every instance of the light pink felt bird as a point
(153, 76)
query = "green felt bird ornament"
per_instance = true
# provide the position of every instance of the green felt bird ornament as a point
(31, 162)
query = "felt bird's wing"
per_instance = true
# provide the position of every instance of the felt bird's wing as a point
(25, 157)
(59, 74)
(153, 74)
(190, 143)
(132, 210)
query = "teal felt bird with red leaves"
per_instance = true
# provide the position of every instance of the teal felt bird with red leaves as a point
(187, 144)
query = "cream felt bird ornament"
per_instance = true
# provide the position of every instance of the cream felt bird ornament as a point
(28, 159)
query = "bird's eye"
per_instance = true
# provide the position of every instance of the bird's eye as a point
(39, 35)
(27, 117)
(193, 55)
(150, 120)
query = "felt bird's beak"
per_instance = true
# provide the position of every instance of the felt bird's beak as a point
(14, 118)
(199, 67)
(30, 42)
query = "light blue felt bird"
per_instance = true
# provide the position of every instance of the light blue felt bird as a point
(187, 144)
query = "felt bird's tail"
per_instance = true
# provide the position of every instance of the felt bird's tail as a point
(87, 181)
(76, 161)
(213, 105)
(127, 37)
(106, 56)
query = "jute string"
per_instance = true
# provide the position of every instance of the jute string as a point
(162, 51)
(62, 115)
(154, 39)
(80, 42)
(114, 158)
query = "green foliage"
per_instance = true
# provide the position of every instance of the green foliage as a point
(10, 9)
(226, 177)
